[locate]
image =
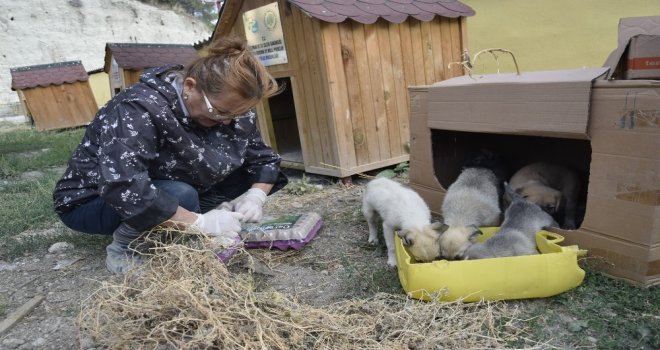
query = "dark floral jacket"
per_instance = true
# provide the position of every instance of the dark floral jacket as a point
(141, 135)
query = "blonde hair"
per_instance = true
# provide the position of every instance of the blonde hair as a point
(231, 66)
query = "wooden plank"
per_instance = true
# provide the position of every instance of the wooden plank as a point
(375, 75)
(366, 91)
(417, 45)
(447, 49)
(456, 47)
(338, 94)
(408, 60)
(439, 46)
(322, 92)
(13, 318)
(353, 89)
(82, 102)
(307, 58)
(228, 18)
(70, 110)
(46, 107)
(427, 53)
(389, 89)
(400, 88)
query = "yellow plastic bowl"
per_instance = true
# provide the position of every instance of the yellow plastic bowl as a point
(553, 271)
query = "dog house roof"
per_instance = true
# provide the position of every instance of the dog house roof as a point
(395, 11)
(47, 74)
(141, 56)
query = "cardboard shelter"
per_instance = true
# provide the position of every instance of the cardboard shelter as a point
(608, 130)
(346, 66)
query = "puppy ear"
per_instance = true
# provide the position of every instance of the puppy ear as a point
(405, 239)
(439, 226)
(475, 234)
(557, 201)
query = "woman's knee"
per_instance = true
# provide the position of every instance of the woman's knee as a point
(187, 195)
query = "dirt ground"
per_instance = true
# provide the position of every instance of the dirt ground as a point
(326, 270)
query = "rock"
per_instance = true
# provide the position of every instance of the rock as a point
(7, 267)
(65, 263)
(39, 342)
(60, 247)
(12, 343)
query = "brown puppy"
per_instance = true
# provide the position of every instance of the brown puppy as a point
(555, 188)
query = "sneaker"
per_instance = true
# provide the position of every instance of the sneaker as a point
(119, 260)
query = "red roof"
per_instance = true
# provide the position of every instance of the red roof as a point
(141, 56)
(47, 74)
(395, 11)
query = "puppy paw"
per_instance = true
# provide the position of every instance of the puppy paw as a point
(373, 240)
(391, 261)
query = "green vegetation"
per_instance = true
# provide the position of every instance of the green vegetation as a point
(400, 170)
(602, 313)
(301, 187)
(30, 164)
(26, 149)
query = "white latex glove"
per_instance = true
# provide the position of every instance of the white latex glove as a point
(217, 223)
(250, 204)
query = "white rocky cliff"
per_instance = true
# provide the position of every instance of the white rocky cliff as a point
(45, 31)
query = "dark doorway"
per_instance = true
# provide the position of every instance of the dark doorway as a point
(285, 126)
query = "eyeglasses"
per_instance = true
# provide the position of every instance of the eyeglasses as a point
(219, 115)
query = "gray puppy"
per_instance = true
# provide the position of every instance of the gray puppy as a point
(471, 201)
(517, 236)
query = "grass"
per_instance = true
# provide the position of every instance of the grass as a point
(27, 201)
(602, 312)
(26, 149)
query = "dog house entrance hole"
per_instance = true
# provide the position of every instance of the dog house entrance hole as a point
(451, 148)
(285, 126)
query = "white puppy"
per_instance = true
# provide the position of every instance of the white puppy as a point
(517, 236)
(402, 209)
(471, 201)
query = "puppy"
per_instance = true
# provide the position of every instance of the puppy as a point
(555, 188)
(517, 236)
(402, 209)
(470, 202)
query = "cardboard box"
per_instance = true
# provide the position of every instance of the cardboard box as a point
(643, 60)
(638, 53)
(608, 130)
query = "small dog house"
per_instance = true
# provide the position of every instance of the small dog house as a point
(607, 130)
(346, 66)
(55, 95)
(124, 62)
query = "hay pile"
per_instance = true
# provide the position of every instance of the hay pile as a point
(184, 298)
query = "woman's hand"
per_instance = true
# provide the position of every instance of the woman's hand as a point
(218, 222)
(250, 204)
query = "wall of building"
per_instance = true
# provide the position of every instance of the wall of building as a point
(100, 87)
(547, 35)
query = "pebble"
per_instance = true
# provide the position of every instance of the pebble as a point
(12, 343)
(60, 247)
(39, 342)
(7, 267)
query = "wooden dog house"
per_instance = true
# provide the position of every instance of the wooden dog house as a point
(55, 95)
(345, 109)
(124, 62)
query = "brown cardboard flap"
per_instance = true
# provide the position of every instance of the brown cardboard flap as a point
(547, 103)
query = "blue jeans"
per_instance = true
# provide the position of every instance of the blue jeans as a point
(98, 217)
